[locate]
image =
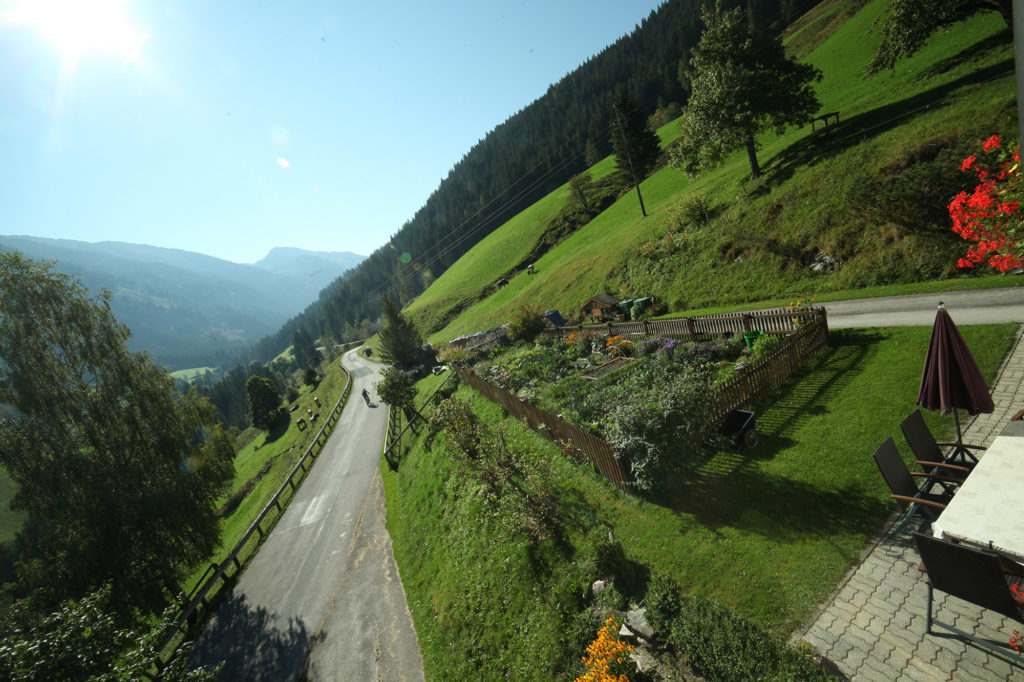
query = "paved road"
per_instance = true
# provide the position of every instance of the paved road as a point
(323, 595)
(965, 307)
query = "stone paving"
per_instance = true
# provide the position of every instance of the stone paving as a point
(873, 627)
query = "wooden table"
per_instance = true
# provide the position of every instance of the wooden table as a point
(988, 509)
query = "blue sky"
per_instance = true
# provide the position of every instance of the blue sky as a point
(171, 122)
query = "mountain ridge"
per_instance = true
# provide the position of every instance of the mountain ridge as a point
(190, 309)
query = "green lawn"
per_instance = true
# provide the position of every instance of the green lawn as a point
(770, 532)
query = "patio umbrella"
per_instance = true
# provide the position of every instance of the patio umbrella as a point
(951, 379)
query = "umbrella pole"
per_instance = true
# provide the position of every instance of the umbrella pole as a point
(960, 453)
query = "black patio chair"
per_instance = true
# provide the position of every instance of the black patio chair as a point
(976, 576)
(925, 447)
(905, 491)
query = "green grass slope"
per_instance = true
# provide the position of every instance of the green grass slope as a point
(870, 193)
(769, 532)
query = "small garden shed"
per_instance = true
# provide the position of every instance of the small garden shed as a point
(599, 306)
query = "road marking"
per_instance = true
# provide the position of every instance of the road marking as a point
(315, 511)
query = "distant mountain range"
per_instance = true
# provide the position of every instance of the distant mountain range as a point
(188, 309)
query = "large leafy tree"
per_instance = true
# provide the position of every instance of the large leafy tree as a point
(631, 139)
(397, 389)
(907, 24)
(400, 340)
(83, 640)
(119, 472)
(742, 83)
(264, 401)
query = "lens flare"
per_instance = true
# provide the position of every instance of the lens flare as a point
(283, 163)
(405, 258)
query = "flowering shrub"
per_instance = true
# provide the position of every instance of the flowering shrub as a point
(800, 305)
(619, 345)
(658, 346)
(604, 661)
(991, 214)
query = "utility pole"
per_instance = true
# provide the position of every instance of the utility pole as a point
(629, 158)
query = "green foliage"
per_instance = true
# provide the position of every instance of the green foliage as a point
(692, 210)
(527, 323)
(909, 23)
(400, 340)
(397, 389)
(291, 394)
(720, 644)
(303, 347)
(121, 472)
(82, 641)
(742, 83)
(661, 420)
(309, 376)
(519, 486)
(765, 344)
(662, 602)
(635, 146)
(263, 402)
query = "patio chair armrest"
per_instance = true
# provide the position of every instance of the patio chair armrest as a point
(918, 500)
(943, 465)
(951, 443)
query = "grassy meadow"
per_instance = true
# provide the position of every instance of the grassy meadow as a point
(821, 192)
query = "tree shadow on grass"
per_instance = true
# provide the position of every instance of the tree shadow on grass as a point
(852, 131)
(253, 643)
(731, 490)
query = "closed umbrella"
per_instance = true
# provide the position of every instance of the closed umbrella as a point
(951, 379)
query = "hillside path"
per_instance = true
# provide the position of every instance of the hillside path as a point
(966, 307)
(323, 596)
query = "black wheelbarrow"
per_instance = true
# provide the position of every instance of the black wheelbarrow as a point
(740, 427)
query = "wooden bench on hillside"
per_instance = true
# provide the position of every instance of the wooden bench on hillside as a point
(824, 118)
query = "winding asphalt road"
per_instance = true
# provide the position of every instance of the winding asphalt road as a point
(323, 596)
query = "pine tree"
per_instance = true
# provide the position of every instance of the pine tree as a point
(631, 134)
(400, 341)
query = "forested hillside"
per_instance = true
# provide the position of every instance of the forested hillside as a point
(535, 151)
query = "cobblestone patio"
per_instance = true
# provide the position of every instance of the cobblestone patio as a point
(873, 627)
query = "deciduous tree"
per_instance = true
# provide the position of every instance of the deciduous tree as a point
(397, 389)
(907, 24)
(119, 472)
(742, 83)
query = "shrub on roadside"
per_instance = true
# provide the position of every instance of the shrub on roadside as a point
(526, 325)
(718, 643)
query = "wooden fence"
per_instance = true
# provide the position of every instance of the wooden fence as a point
(703, 327)
(573, 440)
(772, 370)
(758, 378)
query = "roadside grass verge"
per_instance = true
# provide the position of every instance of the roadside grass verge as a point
(768, 532)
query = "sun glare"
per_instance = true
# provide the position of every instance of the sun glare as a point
(76, 27)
